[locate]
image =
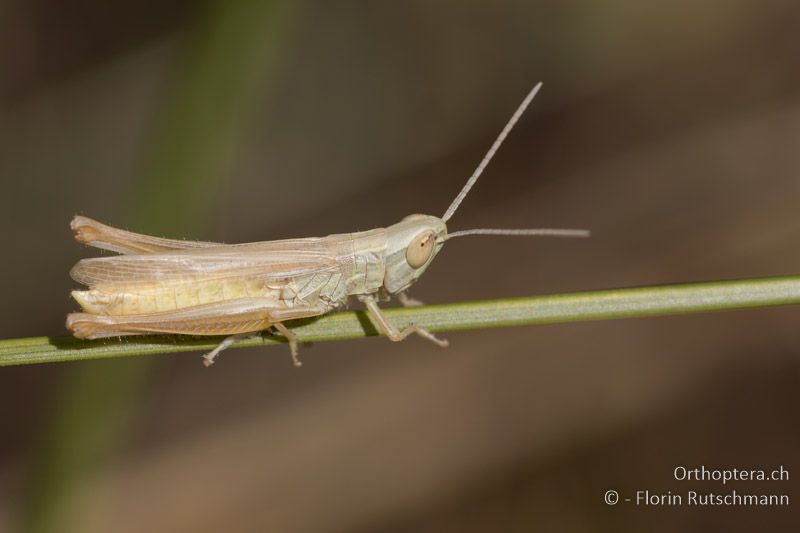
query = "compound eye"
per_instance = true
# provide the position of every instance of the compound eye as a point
(420, 249)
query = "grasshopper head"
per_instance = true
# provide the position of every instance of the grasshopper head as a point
(412, 244)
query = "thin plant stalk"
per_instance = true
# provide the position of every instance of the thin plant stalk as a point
(575, 307)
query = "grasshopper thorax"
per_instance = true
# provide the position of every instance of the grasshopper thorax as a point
(411, 245)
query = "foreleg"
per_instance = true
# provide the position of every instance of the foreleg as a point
(380, 321)
(407, 301)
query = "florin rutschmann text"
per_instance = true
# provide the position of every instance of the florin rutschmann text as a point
(696, 497)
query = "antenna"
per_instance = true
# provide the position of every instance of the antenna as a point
(543, 232)
(488, 157)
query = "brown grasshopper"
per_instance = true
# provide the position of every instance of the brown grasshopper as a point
(203, 288)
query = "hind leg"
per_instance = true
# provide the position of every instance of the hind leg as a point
(99, 235)
(237, 318)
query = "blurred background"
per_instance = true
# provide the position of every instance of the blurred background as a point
(670, 129)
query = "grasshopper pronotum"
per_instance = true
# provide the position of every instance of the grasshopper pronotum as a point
(204, 288)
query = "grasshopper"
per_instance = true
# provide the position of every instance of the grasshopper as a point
(204, 288)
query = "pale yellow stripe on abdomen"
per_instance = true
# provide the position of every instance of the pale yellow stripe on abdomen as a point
(184, 295)
(169, 297)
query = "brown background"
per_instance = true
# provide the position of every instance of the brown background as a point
(670, 129)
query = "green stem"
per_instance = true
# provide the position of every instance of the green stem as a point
(595, 305)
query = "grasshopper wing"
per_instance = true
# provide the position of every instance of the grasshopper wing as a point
(270, 260)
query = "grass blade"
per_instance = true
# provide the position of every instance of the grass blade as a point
(595, 305)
